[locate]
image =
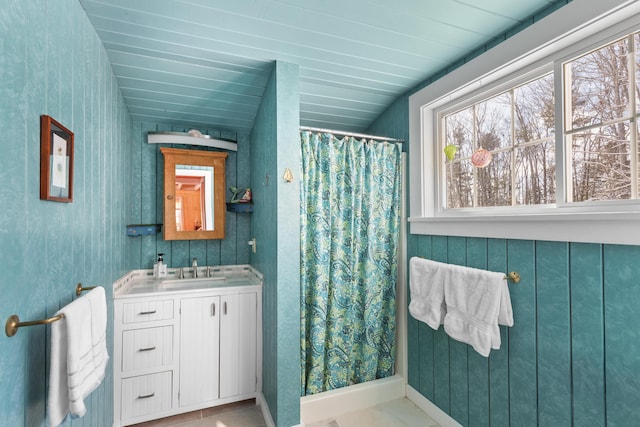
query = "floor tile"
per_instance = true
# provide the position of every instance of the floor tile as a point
(324, 423)
(171, 421)
(241, 418)
(239, 414)
(396, 413)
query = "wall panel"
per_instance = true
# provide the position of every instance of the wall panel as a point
(441, 342)
(413, 335)
(554, 329)
(622, 317)
(499, 400)
(458, 372)
(276, 224)
(476, 251)
(587, 334)
(575, 337)
(522, 336)
(53, 63)
(425, 343)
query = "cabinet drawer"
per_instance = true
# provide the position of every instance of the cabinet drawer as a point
(146, 394)
(147, 311)
(147, 348)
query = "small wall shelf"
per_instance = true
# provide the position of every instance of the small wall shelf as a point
(143, 229)
(240, 207)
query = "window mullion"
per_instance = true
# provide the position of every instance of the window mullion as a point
(563, 114)
(513, 148)
(633, 149)
(475, 147)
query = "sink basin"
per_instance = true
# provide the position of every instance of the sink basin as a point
(198, 283)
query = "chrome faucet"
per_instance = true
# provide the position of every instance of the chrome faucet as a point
(194, 265)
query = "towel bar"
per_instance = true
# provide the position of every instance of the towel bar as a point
(13, 322)
(80, 289)
(513, 276)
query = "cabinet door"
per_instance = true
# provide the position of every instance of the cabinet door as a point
(199, 349)
(238, 344)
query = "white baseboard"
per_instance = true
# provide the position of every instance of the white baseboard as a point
(353, 398)
(431, 409)
(266, 414)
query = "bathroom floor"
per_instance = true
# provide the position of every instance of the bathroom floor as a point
(239, 414)
(396, 413)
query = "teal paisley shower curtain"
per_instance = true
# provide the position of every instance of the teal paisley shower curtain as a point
(350, 220)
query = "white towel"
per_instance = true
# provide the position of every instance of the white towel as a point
(426, 282)
(78, 355)
(477, 301)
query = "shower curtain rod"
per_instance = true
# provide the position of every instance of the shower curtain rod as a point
(355, 135)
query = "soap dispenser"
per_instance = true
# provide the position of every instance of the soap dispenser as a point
(160, 268)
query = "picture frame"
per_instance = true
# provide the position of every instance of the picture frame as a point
(56, 161)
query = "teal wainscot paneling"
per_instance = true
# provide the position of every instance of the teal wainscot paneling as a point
(571, 356)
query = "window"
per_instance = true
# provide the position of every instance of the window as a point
(516, 128)
(555, 109)
(600, 110)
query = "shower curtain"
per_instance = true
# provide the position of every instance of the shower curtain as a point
(350, 220)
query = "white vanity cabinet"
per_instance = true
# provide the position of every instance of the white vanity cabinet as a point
(180, 350)
(145, 357)
(238, 349)
(217, 348)
(199, 350)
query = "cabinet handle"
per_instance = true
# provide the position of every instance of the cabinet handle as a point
(146, 396)
(147, 312)
(224, 308)
(213, 309)
(147, 348)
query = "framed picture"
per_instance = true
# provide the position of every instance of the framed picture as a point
(56, 161)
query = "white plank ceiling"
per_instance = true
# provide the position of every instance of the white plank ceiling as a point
(205, 63)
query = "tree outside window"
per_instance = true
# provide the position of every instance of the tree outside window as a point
(601, 102)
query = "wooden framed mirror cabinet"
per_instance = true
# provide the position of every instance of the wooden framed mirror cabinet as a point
(194, 194)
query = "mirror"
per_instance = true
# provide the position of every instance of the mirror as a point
(194, 194)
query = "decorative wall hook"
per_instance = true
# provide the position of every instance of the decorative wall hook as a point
(288, 175)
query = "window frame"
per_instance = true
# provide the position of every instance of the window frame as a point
(478, 96)
(544, 46)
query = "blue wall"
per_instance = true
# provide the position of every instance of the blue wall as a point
(571, 357)
(394, 122)
(52, 62)
(276, 226)
(574, 337)
(147, 169)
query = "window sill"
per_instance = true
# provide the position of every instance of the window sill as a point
(611, 228)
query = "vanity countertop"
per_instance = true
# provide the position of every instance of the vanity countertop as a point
(141, 282)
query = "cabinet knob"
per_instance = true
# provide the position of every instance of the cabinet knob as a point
(169, 197)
